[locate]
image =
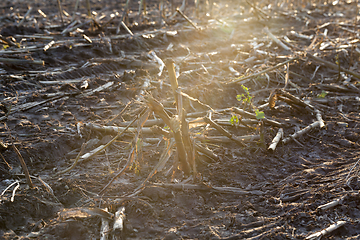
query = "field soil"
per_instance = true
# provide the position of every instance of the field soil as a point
(246, 71)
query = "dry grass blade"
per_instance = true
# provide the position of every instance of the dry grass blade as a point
(24, 167)
(187, 19)
(75, 162)
(118, 115)
(88, 7)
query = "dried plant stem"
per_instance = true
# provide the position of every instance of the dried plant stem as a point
(207, 152)
(260, 13)
(277, 41)
(75, 9)
(223, 131)
(22, 61)
(188, 142)
(296, 100)
(332, 65)
(301, 132)
(331, 204)
(169, 63)
(88, 8)
(319, 118)
(181, 135)
(142, 7)
(60, 11)
(126, 8)
(126, 28)
(24, 167)
(175, 126)
(27, 14)
(325, 231)
(172, 7)
(130, 159)
(223, 139)
(132, 152)
(241, 79)
(121, 112)
(105, 228)
(187, 19)
(276, 139)
(75, 162)
(161, 11)
(119, 221)
(8, 41)
(203, 187)
(159, 166)
(7, 164)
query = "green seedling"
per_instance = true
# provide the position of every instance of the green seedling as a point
(135, 166)
(259, 114)
(322, 94)
(245, 98)
(234, 120)
(139, 145)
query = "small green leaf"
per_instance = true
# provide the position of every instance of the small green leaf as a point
(245, 88)
(240, 97)
(259, 114)
(234, 120)
(322, 94)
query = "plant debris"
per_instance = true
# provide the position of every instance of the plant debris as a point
(179, 119)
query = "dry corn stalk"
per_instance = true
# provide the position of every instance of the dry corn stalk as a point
(175, 126)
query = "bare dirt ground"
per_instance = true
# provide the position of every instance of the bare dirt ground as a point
(61, 84)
